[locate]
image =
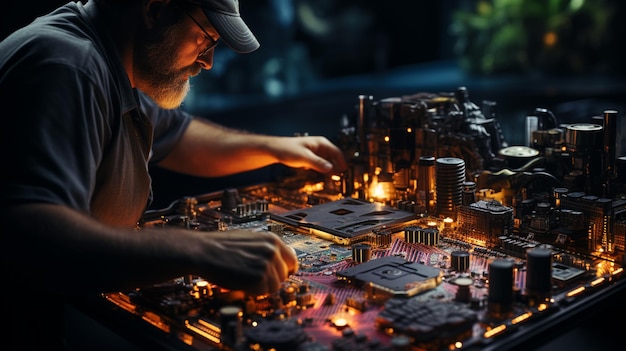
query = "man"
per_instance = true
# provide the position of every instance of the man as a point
(95, 88)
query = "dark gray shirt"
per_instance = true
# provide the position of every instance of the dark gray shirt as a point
(79, 134)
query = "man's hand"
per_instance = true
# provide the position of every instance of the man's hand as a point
(255, 262)
(310, 152)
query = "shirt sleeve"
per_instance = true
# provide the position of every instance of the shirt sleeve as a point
(53, 141)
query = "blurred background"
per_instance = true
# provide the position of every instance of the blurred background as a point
(317, 56)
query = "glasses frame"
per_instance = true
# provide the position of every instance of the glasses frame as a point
(207, 36)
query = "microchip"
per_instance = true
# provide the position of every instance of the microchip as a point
(346, 218)
(564, 273)
(394, 276)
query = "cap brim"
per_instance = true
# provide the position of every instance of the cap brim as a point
(233, 31)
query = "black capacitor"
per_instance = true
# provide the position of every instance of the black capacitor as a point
(620, 166)
(231, 325)
(426, 183)
(538, 273)
(411, 234)
(230, 200)
(610, 141)
(361, 253)
(500, 300)
(460, 261)
(469, 193)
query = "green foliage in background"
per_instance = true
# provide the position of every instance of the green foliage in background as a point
(542, 36)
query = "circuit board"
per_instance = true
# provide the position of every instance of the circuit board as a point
(383, 288)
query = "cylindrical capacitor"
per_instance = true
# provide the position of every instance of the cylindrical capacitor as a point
(411, 234)
(231, 325)
(364, 101)
(426, 183)
(538, 273)
(610, 141)
(450, 175)
(361, 253)
(460, 261)
(500, 300)
(469, 193)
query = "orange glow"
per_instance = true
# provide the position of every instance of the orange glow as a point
(311, 188)
(335, 178)
(550, 39)
(386, 139)
(597, 281)
(495, 331)
(542, 307)
(378, 192)
(521, 318)
(576, 291)
(409, 130)
(618, 271)
(340, 323)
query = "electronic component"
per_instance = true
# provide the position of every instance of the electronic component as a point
(346, 220)
(393, 276)
(439, 236)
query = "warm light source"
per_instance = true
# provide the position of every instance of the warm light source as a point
(340, 323)
(495, 331)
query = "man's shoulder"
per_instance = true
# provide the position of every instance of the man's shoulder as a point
(62, 37)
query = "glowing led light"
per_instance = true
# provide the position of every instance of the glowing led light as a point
(618, 271)
(597, 281)
(576, 291)
(340, 323)
(458, 345)
(335, 178)
(386, 139)
(542, 307)
(378, 192)
(495, 331)
(521, 318)
(409, 130)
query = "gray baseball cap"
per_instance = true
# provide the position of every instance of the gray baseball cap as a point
(225, 17)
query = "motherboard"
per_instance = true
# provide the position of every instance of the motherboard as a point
(439, 236)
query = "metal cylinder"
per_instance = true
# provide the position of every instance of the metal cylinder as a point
(469, 193)
(231, 325)
(500, 300)
(361, 253)
(450, 174)
(538, 273)
(426, 183)
(460, 261)
(610, 141)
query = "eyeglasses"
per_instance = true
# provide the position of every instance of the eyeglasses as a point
(208, 37)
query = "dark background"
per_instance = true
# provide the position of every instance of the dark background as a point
(317, 56)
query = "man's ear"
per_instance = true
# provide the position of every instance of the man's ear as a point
(152, 10)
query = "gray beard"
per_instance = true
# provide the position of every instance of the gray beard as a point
(155, 76)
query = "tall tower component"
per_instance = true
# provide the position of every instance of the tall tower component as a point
(450, 175)
(610, 141)
(426, 184)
